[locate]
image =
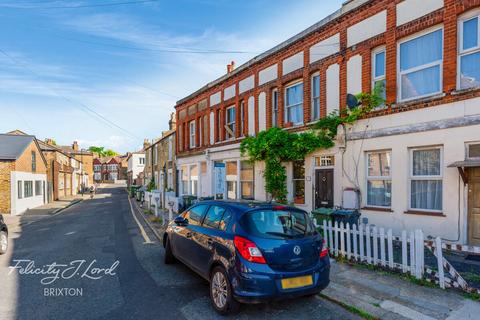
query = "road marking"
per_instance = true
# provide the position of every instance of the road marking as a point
(404, 311)
(70, 233)
(142, 230)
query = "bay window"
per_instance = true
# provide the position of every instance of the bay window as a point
(420, 65)
(426, 179)
(294, 104)
(378, 70)
(379, 179)
(230, 123)
(315, 97)
(469, 53)
(299, 182)
(246, 180)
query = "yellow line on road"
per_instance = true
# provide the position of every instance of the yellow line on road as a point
(142, 230)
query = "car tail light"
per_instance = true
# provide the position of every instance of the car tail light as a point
(248, 249)
(324, 251)
(279, 208)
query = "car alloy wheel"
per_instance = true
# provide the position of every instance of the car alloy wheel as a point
(219, 290)
(3, 242)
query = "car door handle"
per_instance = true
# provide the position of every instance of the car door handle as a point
(189, 235)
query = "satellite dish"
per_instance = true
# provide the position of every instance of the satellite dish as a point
(352, 101)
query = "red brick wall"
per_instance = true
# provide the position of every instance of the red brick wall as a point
(447, 15)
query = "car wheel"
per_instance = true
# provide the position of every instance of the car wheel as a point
(3, 242)
(221, 292)
(169, 257)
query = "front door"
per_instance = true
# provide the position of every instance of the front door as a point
(474, 206)
(324, 188)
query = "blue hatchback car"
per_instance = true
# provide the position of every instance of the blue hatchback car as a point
(250, 253)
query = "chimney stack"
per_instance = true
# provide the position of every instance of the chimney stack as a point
(146, 144)
(75, 146)
(230, 67)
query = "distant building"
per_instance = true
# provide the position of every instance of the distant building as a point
(23, 175)
(85, 157)
(136, 165)
(106, 169)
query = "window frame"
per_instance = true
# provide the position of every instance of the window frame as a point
(19, 189)
(314, 98)
(375, 78)
(242, 181)
(467, 150)
(274, 106)
(422, 67)
(411, 177)
(286, 107)
(34, 161)
(461, 52)
(376, 178)
(38, 191)
(242, 118)
(25, 189)
(299, 179)
(228, 124)
(192, 134)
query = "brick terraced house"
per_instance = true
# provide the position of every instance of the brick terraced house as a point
(106, 169)
(415, 161)
(23, 175)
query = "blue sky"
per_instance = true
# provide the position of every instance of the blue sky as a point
(63, 69)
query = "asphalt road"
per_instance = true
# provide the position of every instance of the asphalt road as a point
(100, 232)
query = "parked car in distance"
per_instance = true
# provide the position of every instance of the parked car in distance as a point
(3, 236)
(250, 253)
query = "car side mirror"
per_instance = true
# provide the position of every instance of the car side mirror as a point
(180, 221)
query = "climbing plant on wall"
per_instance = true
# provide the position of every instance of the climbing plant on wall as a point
(276, 146)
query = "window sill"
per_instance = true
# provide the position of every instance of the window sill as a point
(377, 209)
(425, 213)
(419, 100)
(462, 91)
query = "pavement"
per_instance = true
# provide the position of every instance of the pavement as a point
(387, 296)
(56, 206)
(99, 259)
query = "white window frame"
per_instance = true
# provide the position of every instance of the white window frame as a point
(192, 127)
(384, 178)
(467, 150)
(227, 124)
(373, 64)
(422, 67)
(286, 107)
(242, 118)
(275, 108)
(412, 177)
(461, 53)
(313, 98)
(252, 181)
(200, 132)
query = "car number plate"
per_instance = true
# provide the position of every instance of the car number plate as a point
(297, 282)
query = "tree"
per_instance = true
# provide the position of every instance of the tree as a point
(102, 152)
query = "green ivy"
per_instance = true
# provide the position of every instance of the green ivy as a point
(151, 185)
(276, 146)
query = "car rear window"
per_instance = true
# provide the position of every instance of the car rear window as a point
(277, 224)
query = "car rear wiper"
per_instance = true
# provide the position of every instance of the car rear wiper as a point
(280, 234)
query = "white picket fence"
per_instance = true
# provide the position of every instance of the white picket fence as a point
(375, 246)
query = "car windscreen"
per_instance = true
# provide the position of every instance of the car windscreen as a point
(277, 224)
